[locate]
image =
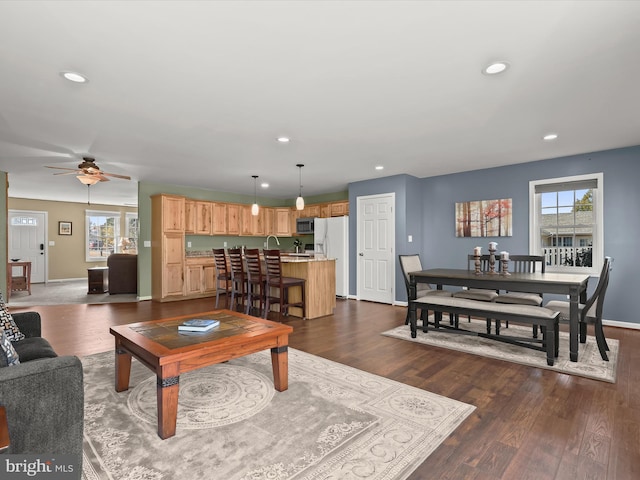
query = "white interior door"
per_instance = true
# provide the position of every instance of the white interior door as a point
(376, 246)
(27, 241)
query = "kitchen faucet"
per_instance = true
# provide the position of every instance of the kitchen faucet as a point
(277, 241)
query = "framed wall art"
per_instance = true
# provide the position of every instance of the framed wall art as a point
(484, 218)
(64, 228)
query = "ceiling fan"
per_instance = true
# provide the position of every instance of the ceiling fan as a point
(88, 172)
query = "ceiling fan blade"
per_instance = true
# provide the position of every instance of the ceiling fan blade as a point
(62, 168)
(124, 177)
(74, 172)
(101, 177)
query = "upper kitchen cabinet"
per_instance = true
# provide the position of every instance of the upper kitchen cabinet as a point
(233, 219)
(282, 222)
(219, 221)
(204, 217)
(339, 209)
(189, 216)
(252, 225)
(173, 211)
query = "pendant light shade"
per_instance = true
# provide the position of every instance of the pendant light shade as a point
(300, 200)
(255, 209)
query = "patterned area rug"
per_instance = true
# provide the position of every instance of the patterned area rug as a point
(589, 364)
(334, 422)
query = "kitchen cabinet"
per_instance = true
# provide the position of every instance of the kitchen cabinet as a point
(167, 247)
(325, 210)
(252, 225)
(219, 220)
(233, 219)
(282, 222)
(339, 209)
(310, 211)
(189, 216)
(203, 218)
(200, 277)
(270, 221)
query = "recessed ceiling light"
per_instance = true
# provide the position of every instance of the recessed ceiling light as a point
(379, 167)
(264, 185)
(74, 77)
(550, 136)
(284, 139)
(495, 68)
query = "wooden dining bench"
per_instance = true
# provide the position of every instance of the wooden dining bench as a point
(546, 319)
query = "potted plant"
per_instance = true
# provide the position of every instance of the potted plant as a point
(297, 243)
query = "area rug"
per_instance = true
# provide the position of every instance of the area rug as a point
(589, 364)
(333, 422)
(65, 293)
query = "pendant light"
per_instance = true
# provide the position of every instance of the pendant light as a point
(255, 209)
(300, 200)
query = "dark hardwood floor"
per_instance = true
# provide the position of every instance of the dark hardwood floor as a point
(529, 423)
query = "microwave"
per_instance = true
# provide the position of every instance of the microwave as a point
(304, 225)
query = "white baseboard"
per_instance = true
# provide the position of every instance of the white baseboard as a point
(141, 299)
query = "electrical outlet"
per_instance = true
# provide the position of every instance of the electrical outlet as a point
(264, 244)
(147, 243)
(188, 244)
(224, 244)
(410, 238)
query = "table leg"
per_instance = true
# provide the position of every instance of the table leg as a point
(167, 391)
(280, 364)
(413, 321)
(574, 326)
(123, 368)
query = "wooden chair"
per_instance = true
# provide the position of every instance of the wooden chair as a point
(523, 264)
(222, 275)
(591, 311)
(256, 281)
(275, 279)
(412, 263)
(238, 279)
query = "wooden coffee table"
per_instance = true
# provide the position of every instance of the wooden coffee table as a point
(168, 353)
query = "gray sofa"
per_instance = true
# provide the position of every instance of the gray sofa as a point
(43, 396)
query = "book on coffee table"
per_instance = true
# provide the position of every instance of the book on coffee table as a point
(198, 325)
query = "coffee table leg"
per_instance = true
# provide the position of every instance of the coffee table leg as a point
(168, 387)
(123, 368)
(280, 363)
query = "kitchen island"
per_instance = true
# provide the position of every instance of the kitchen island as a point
(320, 287)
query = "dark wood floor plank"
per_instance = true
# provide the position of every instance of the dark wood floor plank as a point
(529, 423)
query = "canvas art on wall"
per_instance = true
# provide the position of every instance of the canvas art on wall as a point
(484, 218)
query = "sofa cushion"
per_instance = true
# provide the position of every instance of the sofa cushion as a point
(34, 348)
(8, 354)
(7, 323)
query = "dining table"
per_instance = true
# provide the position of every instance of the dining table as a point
(573, 285)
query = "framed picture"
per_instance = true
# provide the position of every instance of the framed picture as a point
(64, 228)
(484, 218)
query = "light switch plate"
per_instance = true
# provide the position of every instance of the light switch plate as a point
(147, 243)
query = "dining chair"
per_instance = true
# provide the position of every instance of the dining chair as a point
(256, 281)
(412, 263)
(482, 294)
(238, 278)
(275, 280)
(591, 311)
(222, 275)
(523, 264)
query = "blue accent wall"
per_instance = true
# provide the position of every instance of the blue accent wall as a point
(439, 247)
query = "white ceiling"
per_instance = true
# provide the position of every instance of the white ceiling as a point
(195, 93)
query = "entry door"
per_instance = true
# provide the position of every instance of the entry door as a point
(376, 245)
(27, 241)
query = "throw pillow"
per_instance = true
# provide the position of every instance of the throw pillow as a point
(10, 356)
(8, 324)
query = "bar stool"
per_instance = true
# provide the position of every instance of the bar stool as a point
(238, 278)
(256, 280)
(222, 275)
(283, 284)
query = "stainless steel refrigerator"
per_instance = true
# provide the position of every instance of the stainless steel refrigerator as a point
(331, 239)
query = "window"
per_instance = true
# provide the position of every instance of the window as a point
(129, 242)
(566, 220)
(103, 230)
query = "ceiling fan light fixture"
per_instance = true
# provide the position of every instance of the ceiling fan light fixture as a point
(74, 77)
(87, 179)
(255, 209)
(300, 200)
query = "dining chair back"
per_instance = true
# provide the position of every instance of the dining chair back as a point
(412, 263)
(591, 311)
(275, 280)
(238, 278)
(256, 281)
(223, 277)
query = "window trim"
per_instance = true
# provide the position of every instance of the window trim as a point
(535, 206)
(100, 213)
